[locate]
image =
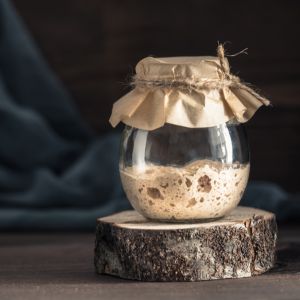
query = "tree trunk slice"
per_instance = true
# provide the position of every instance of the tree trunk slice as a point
(239, 245)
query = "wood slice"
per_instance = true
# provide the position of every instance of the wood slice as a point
(239, 245)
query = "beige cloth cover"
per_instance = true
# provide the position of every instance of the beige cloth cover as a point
(187, 91)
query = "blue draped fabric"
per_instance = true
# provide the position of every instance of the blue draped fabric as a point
(54, 172)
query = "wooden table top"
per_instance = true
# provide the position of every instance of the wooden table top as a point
(60, 266)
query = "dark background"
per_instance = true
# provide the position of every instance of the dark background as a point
(94, 45)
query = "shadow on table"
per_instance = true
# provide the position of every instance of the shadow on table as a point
(288, 259)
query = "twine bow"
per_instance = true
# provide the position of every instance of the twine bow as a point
(234, 81)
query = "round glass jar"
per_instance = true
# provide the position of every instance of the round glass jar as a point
(180, 174)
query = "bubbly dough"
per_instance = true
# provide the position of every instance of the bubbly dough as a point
(203, 189)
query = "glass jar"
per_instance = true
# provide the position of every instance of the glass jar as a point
(180, 174)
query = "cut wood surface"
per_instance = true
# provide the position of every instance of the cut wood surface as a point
(239, 245)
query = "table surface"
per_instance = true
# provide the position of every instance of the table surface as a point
(60, 266)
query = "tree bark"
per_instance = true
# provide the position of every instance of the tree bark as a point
(239, 245)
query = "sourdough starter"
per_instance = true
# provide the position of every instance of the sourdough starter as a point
(203, 189)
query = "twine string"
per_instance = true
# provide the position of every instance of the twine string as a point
(228, 80)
